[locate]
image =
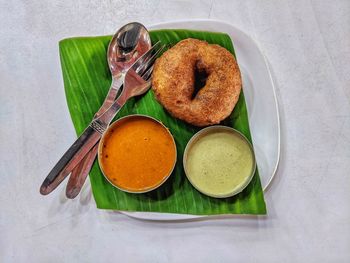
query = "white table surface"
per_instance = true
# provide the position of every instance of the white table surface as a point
(307, 44)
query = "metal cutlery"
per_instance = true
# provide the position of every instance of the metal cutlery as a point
(129, 43)
(136, 82)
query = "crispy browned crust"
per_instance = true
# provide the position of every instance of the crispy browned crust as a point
(173, 82)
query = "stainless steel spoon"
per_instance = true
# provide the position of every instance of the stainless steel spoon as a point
(127, 45)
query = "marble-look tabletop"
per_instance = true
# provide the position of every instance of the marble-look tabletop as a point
(307, 44)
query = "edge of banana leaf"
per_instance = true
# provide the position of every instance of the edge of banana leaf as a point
(82, 106)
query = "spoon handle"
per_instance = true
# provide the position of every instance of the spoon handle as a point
(81, 171)
(71, 158)
(81, 147)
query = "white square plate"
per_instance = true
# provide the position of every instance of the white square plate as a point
(260, 98)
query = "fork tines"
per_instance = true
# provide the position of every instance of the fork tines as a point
(144, 65)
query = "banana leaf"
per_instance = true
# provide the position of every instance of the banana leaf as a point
(87, 80)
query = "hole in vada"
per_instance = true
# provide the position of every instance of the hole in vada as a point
(200, 79)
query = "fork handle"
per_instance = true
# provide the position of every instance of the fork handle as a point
(79, 174)
(81, 147)
(81, 171)
(70, 159)
(109, 114)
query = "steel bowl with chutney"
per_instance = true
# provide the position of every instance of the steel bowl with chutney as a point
(137, 154)
(219, 161)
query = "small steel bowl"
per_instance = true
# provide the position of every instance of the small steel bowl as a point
(210, 130)
(100, 152)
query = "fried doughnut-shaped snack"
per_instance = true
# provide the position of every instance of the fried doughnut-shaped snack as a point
(173, 82)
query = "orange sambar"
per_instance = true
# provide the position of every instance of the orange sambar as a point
(137, 154)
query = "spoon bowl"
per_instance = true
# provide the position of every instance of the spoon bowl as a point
(126, 46)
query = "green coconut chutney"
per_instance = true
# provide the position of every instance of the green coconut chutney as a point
(220, 163)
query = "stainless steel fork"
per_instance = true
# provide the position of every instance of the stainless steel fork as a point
(137, 81)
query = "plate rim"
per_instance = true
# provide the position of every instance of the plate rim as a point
(184, 217)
